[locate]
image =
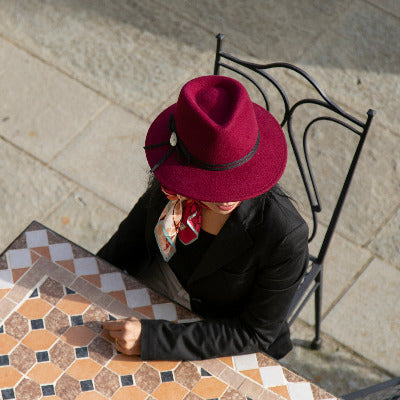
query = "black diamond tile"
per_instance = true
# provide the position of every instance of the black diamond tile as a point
(126, 380)
(48, 390)
(111, 317)
(76, 320)
(2, 329)
(37, 324)
(4, 360)
(70, 291)
(87, 385)
(81, 352)
(205, 373)
(167, 376)
(42, 356)
(35, 293)
(8, 394)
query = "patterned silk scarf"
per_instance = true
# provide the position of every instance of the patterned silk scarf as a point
(181, 218)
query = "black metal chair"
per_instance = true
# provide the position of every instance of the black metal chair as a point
(261, 75)
(388, 390)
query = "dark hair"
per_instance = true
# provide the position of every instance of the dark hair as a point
(157, 196)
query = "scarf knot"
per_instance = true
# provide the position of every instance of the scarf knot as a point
(180, 218)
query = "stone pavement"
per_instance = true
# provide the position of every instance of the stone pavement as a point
(80, 81)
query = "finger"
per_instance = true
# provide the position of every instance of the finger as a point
(117, 335)
(116, 325)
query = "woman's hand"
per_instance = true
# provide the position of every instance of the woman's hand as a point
(126, 333)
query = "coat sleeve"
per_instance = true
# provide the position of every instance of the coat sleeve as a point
(127, 249)
(254, 329)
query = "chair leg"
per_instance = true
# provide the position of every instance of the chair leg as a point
(317, 342)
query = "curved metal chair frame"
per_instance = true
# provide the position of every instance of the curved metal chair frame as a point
(312, 282)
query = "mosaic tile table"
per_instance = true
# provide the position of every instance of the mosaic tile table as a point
(54, 296)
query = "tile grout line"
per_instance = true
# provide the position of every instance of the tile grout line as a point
(348, 287)
(366, 361)
(68, 75)
(382, 226)
(373, 4)
(80, 131)
(60, 173)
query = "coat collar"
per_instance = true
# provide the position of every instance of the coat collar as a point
(233, 239)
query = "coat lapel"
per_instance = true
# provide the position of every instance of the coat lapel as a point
(232, 240)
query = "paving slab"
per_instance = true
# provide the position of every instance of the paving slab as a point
(135, 52)
(334, 367)
(85, 219)
(362, 67)
(28, 190)
(262, 28)
(344, 262)
(108, 157)
(391, 6)
(387, 242)
(41, 109)
(374, 192)
(367, 317)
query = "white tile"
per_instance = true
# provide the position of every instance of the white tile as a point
(112, 282)
(165, 311)
(19, 258)
(300, 391)
(37, 238)
(61, 251)
(272, 376)
(6, 279)
(86, 266)
(245, 362)
(138, 297)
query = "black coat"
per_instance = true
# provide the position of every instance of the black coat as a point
(243, 285)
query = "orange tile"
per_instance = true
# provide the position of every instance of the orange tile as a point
(39, 340)
(45, 373)
(7, 343)
(67, 264)
(9, 376)
(253, 374)
(43, 251)
(124, 365)
(78, 336)
(93, 396)
(84, 369)
(170, 391)
(93, 279)
(3, 292)
(34, 257)
(163, 365)
(73, 304)
(18, 272)
(227, 361)
(35, 308)
(281, 390)
(119, 295)
(129, 392)
(146, 310)
(210, 388)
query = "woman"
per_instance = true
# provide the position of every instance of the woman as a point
(213, 231)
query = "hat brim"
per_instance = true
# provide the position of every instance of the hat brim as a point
(249, 180)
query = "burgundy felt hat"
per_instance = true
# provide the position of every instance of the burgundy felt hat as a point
(215, 144)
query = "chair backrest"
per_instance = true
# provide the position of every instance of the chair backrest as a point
(260, 75)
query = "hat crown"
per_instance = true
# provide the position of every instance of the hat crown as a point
(215, 120)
